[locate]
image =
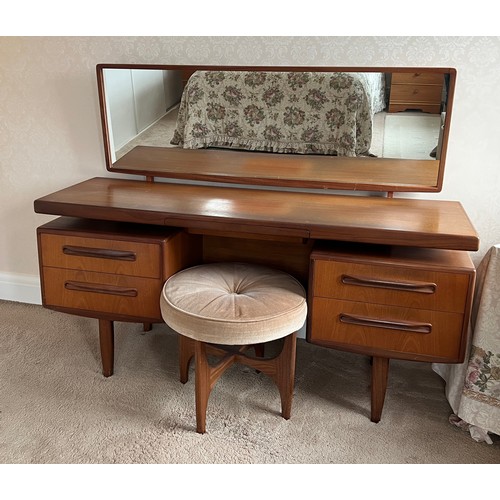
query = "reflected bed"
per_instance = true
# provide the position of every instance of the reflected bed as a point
(280, 112)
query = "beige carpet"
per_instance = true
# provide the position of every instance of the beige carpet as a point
(411, 135)
(159, 134)
(377, 144)
(56, 407)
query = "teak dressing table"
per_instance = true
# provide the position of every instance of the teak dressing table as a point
(387, 277)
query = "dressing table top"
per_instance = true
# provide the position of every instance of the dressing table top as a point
(389, 221)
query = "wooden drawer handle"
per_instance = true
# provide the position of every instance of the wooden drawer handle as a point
(99, 253)
(390, 285)
(78, 286)
(406, 326)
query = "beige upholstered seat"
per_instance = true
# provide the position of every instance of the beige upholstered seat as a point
(234, 304)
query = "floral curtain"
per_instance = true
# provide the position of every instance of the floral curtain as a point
(473, 388)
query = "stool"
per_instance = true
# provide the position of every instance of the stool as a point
(223, 309)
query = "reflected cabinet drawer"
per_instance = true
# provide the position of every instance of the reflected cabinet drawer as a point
(393, 302)
(418, 79)
(416, 94)
(416, 91)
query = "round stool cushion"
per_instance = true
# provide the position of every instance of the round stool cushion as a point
(233, 303)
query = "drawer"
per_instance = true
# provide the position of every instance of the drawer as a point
(393, 330)
(101, 255)
(391, 285)
(418, 78)
(416, 93)
(102, 293)
(396, 107)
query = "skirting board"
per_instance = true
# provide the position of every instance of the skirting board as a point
(20, 288)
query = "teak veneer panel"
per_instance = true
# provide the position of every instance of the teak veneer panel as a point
(302, 171)
(128, 295)
(288, 256)
(144, 259)
(435, 346)
(365, 219)
(447, 295)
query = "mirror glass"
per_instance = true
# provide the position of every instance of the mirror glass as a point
(381, 129)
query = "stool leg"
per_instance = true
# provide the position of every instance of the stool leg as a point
(259, 350)
(186, 353)
(280, 368)
(202, 385)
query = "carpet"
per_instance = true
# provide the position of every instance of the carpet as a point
(56, 407)
(377, 144)
(411, 136)
(157, 135)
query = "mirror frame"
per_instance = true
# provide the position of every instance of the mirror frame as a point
(349, 185)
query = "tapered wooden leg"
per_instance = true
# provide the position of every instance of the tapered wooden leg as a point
(147, 327)
(285, 374)
(281, 369)
(186, 353)
(202, 385)
(107, 343)
(380, 372)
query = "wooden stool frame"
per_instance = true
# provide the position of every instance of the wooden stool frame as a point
(280, 368)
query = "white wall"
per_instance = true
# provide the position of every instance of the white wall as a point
(136, 99)
(50, 135)
(120, 107)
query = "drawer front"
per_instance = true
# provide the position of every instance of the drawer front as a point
(415, 93)
(101, 255)
(99, 292)
(418, 78)
(391, 329)
(390, 285)
(433, 109)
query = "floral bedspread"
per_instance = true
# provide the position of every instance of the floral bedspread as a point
(299, 112)
(473, 388)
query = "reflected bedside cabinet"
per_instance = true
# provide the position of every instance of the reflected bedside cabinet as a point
(416, 91)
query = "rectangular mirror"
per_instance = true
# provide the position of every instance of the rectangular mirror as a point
(366, 129)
